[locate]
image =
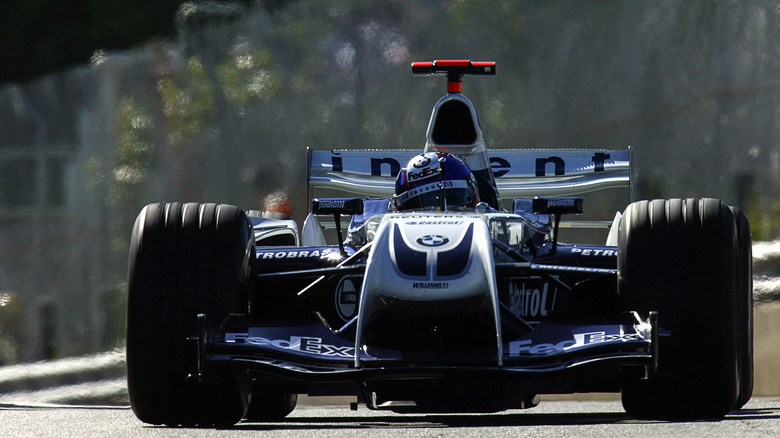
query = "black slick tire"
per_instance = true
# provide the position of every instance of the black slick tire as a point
(679, 257)
(185, 260)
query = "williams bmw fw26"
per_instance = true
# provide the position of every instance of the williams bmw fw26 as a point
(446, 290)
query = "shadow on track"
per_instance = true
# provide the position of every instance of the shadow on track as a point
(477, 421)
(434, 421)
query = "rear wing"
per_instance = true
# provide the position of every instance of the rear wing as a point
(518, 172)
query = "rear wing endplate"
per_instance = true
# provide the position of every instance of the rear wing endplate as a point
(518, 172)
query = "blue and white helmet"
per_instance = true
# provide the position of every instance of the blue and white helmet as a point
(420, 183)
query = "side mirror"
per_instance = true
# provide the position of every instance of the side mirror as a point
(557, 207)
(337, 207)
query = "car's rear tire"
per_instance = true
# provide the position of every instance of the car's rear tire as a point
(679, 257)
(185, 260)
(745, 307)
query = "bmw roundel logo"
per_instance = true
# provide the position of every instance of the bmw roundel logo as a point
(433, 240)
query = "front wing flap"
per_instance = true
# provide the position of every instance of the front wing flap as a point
(314, 353)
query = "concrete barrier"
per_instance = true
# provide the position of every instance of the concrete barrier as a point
(95, 379)
(766, 345)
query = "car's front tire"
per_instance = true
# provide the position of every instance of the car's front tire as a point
(679, 257)
(185, 260)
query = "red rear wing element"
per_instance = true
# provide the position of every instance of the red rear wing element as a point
(454, 69)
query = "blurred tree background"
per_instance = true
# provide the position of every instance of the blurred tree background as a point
(108, 106)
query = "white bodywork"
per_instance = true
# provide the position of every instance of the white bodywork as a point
(465, 237)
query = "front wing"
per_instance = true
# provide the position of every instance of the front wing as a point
(313, 353)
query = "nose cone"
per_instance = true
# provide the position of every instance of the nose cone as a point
(426, 275)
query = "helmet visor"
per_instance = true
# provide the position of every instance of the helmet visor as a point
(458, 194)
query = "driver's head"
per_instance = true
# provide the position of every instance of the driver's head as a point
(420, 182)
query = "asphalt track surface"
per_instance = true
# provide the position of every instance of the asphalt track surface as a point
(760, 417)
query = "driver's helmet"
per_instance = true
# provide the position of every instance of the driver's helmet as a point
(420, 183)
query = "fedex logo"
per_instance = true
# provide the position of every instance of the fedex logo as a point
(304, 344)
(518, 348)
(425, 173)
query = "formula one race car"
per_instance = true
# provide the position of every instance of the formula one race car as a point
(440, 297)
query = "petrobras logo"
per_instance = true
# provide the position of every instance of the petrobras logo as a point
(296, 254)
(433, 240)
(595, 252)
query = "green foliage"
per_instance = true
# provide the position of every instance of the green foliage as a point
(135, 148)
(134, 154)
(764, 219)
(248, 77)
(187, 109)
